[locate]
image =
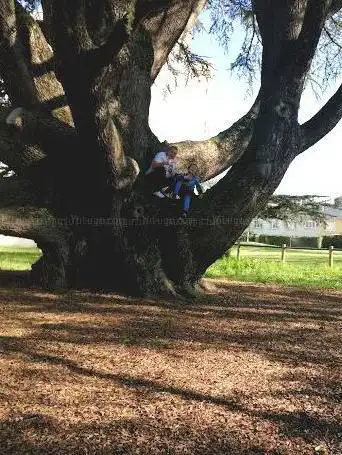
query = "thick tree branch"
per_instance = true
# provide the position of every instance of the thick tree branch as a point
(279, 21)
(315, 16)
(16, 156)
(18, 221)
(15, 192)
(51, 236)
(323, 122)
(90, 65)
(31, 222)
(215, 155)
(25, 133)
(39, 128)
(90, 31)
(50, 93)
(14, 71)
(13, 151)
(335, 7)
(167, 25)
(26, 64)
(280, 24)
(106, 53)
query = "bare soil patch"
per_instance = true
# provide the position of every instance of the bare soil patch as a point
(255, 370)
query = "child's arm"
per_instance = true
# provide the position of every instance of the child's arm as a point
(158, 162)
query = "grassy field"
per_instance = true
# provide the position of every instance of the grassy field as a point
(256, 264)
(18, 259)
(263, 265)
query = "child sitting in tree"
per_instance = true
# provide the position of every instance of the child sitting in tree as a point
(187, 183)
(162, 171)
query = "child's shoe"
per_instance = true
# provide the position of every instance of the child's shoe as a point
(159, 194)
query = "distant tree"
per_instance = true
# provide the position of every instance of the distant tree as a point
(76, 133)
(338, 202)
(293, 208)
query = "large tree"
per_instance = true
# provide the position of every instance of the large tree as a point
(76, 134)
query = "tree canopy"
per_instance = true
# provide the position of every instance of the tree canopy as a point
(326, 65)
(292, 208)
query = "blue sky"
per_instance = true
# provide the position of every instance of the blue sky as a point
(202, 109)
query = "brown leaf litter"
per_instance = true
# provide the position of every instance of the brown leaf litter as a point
(256, 370)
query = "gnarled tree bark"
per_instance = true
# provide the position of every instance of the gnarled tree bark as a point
(81, 135)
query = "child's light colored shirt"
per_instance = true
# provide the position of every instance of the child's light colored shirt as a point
(170, 168)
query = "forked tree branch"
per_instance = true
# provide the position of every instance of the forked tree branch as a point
(323, 122)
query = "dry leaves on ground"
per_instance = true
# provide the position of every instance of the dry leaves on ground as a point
(256, 370)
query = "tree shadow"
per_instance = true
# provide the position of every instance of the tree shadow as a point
(224, 287)
(111, 438)
(9, 279)
(292, 330)
(291, 424)
(282, 327)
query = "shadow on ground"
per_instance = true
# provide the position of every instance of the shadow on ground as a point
(255, 371)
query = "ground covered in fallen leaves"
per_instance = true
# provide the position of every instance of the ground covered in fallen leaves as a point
(247, 370)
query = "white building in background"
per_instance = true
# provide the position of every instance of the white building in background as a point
(304, 227)
(273, 227)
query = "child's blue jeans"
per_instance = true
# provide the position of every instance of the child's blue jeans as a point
(188, 188)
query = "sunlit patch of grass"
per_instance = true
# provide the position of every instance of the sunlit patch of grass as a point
(310, 273)
(18, 259)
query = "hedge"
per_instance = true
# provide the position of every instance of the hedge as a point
(332, 240)
(278, 240)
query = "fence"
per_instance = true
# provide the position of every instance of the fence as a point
(284, 249)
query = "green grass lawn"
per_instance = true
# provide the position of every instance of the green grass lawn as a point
(18, 259)
(257, 264)
(263, 265)
(317, 257)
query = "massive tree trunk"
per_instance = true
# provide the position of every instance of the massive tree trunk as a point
(77, 134)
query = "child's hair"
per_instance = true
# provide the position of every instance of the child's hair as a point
(172, 148)
(193, 165)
